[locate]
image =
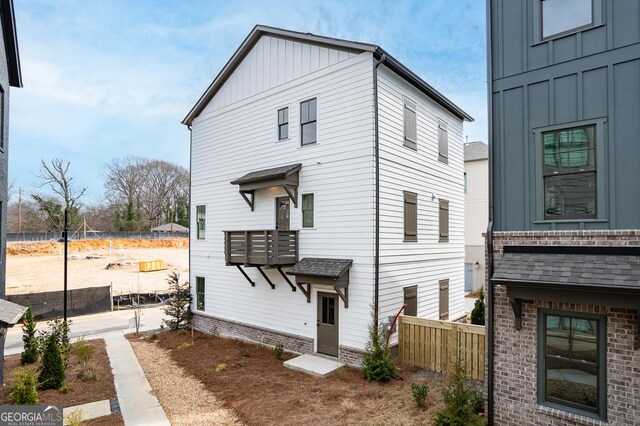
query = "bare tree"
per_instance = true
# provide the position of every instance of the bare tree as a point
(56, 175)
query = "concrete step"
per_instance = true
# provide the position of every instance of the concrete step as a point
(313, 365)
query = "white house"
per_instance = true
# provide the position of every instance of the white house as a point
(476, 212)
(326, 183)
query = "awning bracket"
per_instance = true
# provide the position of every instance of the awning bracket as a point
(293, 288)
(343, 292)
(253, 284)
(516, 305)
(249, 199)
(293, 194)
(305, 289)
(273, 287)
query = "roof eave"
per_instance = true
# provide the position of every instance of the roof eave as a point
(11, 43)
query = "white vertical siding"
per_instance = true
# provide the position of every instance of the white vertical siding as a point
(426, 261)
(271, 62)
(233, 139)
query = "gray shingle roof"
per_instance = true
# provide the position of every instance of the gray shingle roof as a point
(10, 313)
(594, 270)
(317, 267)
(170, 227)
(268, 174)
(476, 151)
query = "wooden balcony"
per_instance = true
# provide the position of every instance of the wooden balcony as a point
(261, 248)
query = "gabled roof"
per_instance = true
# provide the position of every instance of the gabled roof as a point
(10, 313)
(474, 151)
(10, 38)
(353, 46)
(170, 227)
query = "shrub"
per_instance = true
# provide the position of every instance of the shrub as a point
(84, 351)
(53, 371)
(278, 350)
(59, 329)
(23, 386)
(477, 400)
(30, 353)
(477, 314)
(457, 395)
(220, 368)
(377, 364)
(179, 306)
(419, 393)
(66, 388)
(184, 346)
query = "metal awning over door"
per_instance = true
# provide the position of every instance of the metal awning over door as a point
(333, 272)
(284, 176)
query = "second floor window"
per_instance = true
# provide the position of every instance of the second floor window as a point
(283, 124)
(569, 173)
(308, 121)
(562, 16)
(201, 217)
(307, 210)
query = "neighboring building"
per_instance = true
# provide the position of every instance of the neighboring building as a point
(170, 227)
(10, 76)
(291, 123)
(476, 212)
(565, 146)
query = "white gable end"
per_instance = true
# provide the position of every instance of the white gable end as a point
(270, 63)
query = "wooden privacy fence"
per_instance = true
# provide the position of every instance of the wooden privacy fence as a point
(432, 344)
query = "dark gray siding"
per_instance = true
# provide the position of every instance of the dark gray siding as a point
(589, 77)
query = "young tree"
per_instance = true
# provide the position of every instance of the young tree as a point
(53, 371)
(377, 363)
(477, 314)
(179, 306)
(30, 353)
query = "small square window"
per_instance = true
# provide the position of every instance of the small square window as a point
(307, 210)
(308, 122)
(283, 124)
(562, 16)
(201, 218)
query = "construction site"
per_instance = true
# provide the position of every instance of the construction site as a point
(129, 266)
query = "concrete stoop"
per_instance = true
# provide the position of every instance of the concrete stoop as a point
(313, 365)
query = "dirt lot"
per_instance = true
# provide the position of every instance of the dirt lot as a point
(38, 266)
(260, 391)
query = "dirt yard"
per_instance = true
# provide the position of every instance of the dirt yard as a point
(38, 266)
(260, 391)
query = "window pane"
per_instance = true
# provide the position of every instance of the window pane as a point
(284, 131)
(572, 382)
(304, 112)
(570, 195)
(313, 113)
(308, 133)
(564, 15)
(331, 313)
(569, 150)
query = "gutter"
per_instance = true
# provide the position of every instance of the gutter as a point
(489, 237)
(376, 273)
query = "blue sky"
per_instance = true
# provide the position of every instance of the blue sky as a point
(105, 79)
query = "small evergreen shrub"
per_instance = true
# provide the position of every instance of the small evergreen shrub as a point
(59, 329)
(179, 306)
(23, 386)
(477, 314)
(477, 400)
(419, 392)
(278, 350)
(377, 364)
(30, 353)
(53, 371)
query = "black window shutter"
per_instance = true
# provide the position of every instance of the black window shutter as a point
(410, 216)
(411, 300)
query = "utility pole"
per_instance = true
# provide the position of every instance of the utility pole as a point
(66, 231)
(19, 209)
(84, 225)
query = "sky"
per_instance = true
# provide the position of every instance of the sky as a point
(110, 78)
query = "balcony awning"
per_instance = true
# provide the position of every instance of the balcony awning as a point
(284, 176)
(334, 272)
(602, 276)
(10, 313)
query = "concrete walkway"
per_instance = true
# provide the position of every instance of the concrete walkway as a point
(90, 410)
(138, 405)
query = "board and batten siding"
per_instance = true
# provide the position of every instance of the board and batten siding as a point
(425, 262)
(272, 62)
(240, 137)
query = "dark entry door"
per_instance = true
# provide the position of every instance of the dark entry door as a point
(328, 324)
(283, 213)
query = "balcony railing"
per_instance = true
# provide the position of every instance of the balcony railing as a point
(261, 248)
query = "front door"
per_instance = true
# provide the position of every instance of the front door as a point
(328, 323)
(283, 213)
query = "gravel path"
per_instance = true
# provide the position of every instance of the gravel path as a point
(184, 399)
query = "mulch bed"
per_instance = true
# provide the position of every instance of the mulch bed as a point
(83, 391)
(112, 420)
(261, 391)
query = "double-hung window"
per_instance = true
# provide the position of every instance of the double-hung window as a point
(307, 210)
(571, 362)
(201, 217)
(283, 124)
(570, 173)
(308, 122)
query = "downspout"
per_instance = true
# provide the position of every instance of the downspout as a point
(489, 238)
(376, 273)
(189, 210)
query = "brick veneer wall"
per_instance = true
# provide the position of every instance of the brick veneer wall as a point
(515, 357)
(291, 342)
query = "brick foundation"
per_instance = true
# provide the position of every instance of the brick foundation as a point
(291, 342)
(515, 357)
